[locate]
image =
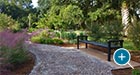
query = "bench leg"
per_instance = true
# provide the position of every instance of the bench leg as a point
(109, 54)
(77, 45)
(78, 42)
(86, 45)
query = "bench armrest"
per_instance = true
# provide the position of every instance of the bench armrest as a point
(115, 41)
(83, 37)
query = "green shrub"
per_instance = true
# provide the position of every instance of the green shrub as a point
(58, 41)
(135, 72)
(71, 36)
(14, 56)
(6, 22)
(64, 35)
(31, 29)
(18, 56)
(128, 44)
(49, 41)
(108, 30)
(134, 33)
(42, 38)
(81, 34)
(113, 29)
(58, 34)
(36, 39)
(74, 41)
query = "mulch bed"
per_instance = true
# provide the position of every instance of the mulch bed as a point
(25, 68)
(22, 69)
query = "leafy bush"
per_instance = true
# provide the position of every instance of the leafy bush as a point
(113, 29)
(102, 32)
(71, 36)
(58, 41)
(31, 29)
(57, 34)
(135, 72)
(6, 22)
(36, 39)
(128, 44)
(134, 33)
(11, 47)
(41, 37)
(62, 18)
(63, 35)
(45, 38)
(49, 41)
(41, 40)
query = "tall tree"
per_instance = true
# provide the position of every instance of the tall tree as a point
(18, 10)
(125, 16)
(128, 9)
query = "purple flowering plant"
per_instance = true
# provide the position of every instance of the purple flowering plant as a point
(11, 47)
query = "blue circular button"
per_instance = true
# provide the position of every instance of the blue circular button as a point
(121, 56)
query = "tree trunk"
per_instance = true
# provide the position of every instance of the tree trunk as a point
(125, 17)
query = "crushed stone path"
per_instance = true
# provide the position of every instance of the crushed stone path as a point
(54, 60)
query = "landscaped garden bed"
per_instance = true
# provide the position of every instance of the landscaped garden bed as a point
(59, 22)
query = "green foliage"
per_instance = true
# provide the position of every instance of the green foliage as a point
(135, 72)
(62, 18)
(104, 23)
(6, 22)
(19, 10)
(134, 33)
(45, 38)
(36, 39)
(48, 41)
(63, 35)
(58, 41)
(69, 36)
(14, 56)
(113, 29)
(128, 44)
(18, 56)
(103, 14)
(31, 29)
(108, 30)
(72, 16)
(95, 31)
(42, 40)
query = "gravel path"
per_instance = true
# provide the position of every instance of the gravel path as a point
(54, 60)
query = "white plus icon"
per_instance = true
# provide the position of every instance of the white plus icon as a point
(121, 57)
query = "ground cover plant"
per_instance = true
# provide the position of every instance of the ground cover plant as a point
(46, 37)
